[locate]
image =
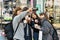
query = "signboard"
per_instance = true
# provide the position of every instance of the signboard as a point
(40, 6)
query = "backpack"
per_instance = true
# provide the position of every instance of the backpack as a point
(9, 31)
(55, 35)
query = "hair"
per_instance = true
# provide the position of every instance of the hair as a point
(15, 12)
(36, 15)
(44, 15)
(39, 22)
(25, 8)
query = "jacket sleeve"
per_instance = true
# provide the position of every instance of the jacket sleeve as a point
(21, 16)
(47, 28)
(18, 18)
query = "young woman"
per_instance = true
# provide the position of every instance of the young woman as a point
(27, 29)
(35, 21)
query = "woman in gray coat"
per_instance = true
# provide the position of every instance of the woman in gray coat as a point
(46, 27)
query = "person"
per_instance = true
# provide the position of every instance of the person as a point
(27, 29)
(9, 27)
(45, 27)
(19, 35)
(34, 22)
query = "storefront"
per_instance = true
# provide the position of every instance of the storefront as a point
(53, 9)
(57, 10)
(49, 9)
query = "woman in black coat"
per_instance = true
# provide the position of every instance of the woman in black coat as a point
(33, 22)
(27, 29)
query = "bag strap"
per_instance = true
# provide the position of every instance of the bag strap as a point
(17, 27)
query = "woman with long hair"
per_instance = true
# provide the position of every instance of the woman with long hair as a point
(35, 21)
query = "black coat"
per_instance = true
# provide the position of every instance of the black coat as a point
(35, 31)
(27, 32)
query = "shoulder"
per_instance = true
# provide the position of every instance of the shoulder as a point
(47, 23)
(15, 18)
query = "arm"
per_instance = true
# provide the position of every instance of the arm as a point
(21, 16)
(18, 18)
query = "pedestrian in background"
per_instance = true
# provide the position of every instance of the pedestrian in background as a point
(9, 27)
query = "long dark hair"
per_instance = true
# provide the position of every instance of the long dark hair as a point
(35, 14)
(36, 18)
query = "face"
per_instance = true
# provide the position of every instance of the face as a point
(34, 16)
(27, 18)
(41, 16)
(18, 12)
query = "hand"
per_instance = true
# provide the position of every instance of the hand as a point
(29, 10)
(3, 33)
(36, 21)
(37, 26)
(26, 17)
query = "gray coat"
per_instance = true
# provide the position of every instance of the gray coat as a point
(20, 31)
(47, 29)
